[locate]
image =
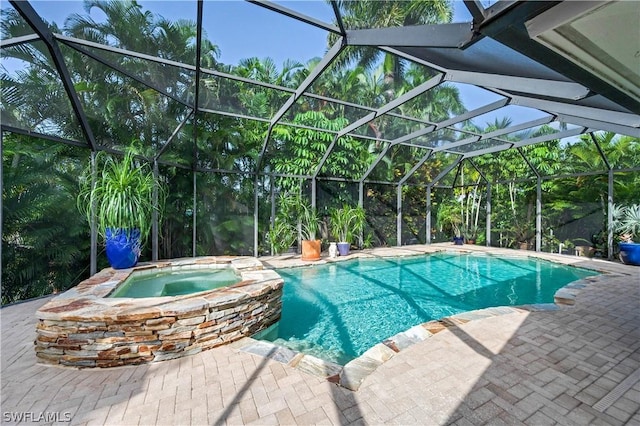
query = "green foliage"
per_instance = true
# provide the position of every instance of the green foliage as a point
(280, 236)
(626, 221)
(347, 222)
(121, 192)
(300, 149)
(45, 246)
(45, 242)
(297, 210)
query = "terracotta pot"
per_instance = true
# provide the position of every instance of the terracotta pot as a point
(311, 250)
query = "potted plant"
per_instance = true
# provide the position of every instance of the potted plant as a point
(458, 238)
(121, 193)
(308, 226)
(626, 223)
(471, 234)
(280, 236)
(345, 223)
(307, 223)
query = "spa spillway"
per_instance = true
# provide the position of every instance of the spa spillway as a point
(137, 315)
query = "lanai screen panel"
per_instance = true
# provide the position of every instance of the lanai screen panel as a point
(13, 23)
(121, 109)
(442, 139)
(229, 143)
(350, 157)
(176, 230)
(332, 194)
(414, 210)
(380, 207)
(296, 150)
(396, 162)
(505, 165)
(42, 231)
(436, 166)
(427, 107)
(121, 24)
(577, 217)
(503, 118)
(270, 52)
(224, 95)
(173, 81)
(389, 127)
(33, 96)
(322, 113)
(621, 151)
(224, 214)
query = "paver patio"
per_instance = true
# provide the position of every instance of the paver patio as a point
(574, 365)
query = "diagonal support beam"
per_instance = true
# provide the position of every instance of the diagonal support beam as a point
(375, 163)
(518, 127)
(476, 10)
(173, 135)
(462, 142)
(295, 15)
(319, 69)
(313, 75)
(446, 171)
(33, 19)
(413, 135)
(416, 91)
(544, 138)
(550, 137)
(600, 151)
(415, 168)
(123, 71)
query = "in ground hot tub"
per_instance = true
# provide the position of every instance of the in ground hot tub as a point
(172, 281)
(85, 327)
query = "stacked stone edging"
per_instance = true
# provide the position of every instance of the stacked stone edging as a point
(83, 328)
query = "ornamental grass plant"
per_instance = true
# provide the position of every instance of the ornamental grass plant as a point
(122, 192)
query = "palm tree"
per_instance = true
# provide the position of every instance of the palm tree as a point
(45, 248)
(363, 14)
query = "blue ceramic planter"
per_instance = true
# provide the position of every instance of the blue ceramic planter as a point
(458, 241)
(123, 247)
(630, 253)
(343, 248)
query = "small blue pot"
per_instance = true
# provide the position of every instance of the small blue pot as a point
(458, 241)
(123, 247)
(630, 253)
(343, 248)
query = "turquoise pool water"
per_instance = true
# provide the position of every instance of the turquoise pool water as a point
(174, 283)
(337, 311)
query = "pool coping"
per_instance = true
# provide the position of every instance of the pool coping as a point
(353, 374)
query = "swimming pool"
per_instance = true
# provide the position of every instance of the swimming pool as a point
(339, 310)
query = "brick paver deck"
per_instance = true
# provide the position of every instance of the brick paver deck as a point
(575, 365)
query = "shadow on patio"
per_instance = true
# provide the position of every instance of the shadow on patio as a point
(574, 365)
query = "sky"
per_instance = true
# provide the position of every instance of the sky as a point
(242, 30)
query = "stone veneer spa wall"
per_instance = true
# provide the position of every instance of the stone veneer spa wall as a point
(84, 328)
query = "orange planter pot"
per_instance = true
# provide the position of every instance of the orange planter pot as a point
(311, 250)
